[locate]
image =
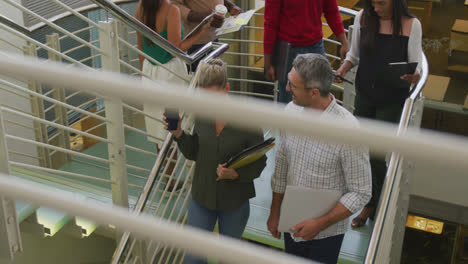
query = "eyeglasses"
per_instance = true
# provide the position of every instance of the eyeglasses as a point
(291, 85)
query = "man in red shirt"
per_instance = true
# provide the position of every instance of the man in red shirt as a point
(299, 23)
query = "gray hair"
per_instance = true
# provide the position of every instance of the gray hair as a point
(316, 72)
(213, 73)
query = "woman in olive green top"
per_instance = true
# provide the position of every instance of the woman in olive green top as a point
(211, 145)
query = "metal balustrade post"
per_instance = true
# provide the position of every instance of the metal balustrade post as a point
(113, 108)
(63, 138)
(10, 239)
(244, 48)
(349, 93)
(37, 108)
(124, 53)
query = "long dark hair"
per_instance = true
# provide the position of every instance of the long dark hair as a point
(371, 21)
(149, 9)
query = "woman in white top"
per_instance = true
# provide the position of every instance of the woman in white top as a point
(384, 32)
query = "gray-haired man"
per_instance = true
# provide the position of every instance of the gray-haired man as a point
(316, 164)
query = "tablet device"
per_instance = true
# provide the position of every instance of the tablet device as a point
(402, 68)
(302, 203)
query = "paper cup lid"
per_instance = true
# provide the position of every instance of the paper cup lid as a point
(221, 9)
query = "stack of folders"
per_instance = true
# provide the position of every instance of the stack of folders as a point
(250, 154)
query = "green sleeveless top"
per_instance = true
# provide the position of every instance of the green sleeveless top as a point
(155, 51)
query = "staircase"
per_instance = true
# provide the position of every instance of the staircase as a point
(111, 160)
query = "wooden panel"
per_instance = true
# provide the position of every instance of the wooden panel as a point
(466, 9)
(436, 87)
(459, 35)
(460, 26)
(422, 10)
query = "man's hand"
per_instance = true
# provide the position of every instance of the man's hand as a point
(343, 51)
(197, 17)
(269, 69)
(226, 173)
(309, 229)
(272, 224)
(235, 10)
(217, 21)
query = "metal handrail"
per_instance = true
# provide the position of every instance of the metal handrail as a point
(142, 200)
(10, 23)
(151, 34)
(348, 11)
(389, 182)
(227, 250)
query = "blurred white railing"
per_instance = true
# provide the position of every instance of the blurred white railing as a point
(413, 144)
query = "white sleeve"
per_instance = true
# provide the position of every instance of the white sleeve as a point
(353, 53)
(414, 44)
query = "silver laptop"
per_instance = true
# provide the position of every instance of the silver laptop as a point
(302, 203)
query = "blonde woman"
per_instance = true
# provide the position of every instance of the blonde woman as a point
(211, 144)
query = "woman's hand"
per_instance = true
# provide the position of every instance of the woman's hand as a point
(177, 133)
(340, 74)
(235, 10)
(217, 21)
(411, 78)
(226, 173)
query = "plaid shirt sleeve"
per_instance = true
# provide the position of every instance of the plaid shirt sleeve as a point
(357, 172)
(280, 175)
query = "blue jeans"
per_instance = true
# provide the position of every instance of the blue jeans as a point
(283, 95)
(325, 250)
(230, 222)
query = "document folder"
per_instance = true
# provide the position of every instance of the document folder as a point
(250, 154)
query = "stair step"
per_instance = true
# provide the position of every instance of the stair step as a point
(24, 210)
(52, 220)
(87, 226)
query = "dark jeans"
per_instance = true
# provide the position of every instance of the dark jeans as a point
(283, 95)
(230, 222)
(389, 113)
(325, 250)
(195, 47)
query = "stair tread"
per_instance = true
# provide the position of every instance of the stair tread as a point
(24, 210)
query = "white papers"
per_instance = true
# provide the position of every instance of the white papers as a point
(233, 24)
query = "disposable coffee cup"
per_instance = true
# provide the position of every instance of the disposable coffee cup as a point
(220, 10)
(172, 118)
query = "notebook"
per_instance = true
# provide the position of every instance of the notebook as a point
(398, 69)
(302, 203)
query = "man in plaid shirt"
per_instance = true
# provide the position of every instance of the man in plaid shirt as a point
(313, 163)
